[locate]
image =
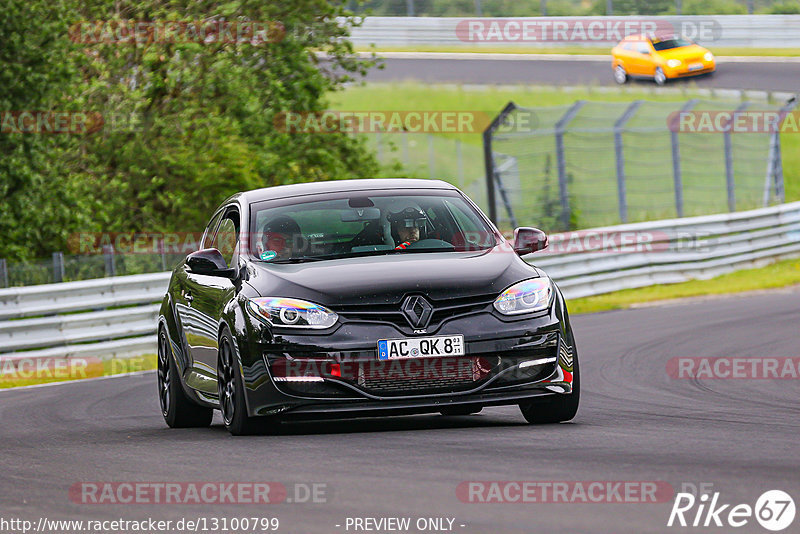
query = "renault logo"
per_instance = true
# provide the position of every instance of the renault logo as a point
(418, 311)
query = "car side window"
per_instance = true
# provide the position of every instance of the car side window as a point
(627, 46)
(208, 235)
(227, 237)
(642, 48)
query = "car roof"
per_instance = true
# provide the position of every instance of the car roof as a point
(336, 186)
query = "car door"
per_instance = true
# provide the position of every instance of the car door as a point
(643, 59)
(206, 297)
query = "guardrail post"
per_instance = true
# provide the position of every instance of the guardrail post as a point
(488, 159)
(410, 8)
(619, 127)
(561, 162)
(729, 177)
(676, 161)
(58, 267)
(3, 273)
(108, 254)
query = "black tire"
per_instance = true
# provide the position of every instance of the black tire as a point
(556, 408)
(178, 410)
(659, 77)
(230, 387)
(620, 74)
(461, 410)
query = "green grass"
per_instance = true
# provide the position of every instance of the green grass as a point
(93, 369)
(781, 274)
(569, 50)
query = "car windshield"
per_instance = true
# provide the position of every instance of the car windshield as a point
(364, 224)
(668, 44)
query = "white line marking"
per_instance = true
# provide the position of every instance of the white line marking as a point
(134, 373)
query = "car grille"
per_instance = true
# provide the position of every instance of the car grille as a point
(432, 375)
(443, 310)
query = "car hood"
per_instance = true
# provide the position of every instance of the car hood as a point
(387, 279)
(684, 53)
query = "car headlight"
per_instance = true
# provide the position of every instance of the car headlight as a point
(292, 313)
(709, 56)
(525, 297)
(673, 63)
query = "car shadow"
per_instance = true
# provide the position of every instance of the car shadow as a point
(382, 424)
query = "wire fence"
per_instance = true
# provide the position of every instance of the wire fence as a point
(594, 164)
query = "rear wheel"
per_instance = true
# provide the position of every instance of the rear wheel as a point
(230, 388)
(556, 408)
(620, 74)
(178, 410)
(659, 77)
(461, 410)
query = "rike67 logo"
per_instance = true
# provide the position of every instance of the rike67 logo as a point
(774, 510)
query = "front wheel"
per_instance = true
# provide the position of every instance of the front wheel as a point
(230, 389)
(620, 74)
(556, 408)
(659, 77)
(177, 409)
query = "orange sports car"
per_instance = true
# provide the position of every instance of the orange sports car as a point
(661, 59)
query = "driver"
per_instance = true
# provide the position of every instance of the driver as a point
(406, 225)
(278, 237)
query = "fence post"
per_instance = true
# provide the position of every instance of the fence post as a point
(543, 8)
(3, 273)
(729, 176)
(774, 176)
(561, 162)
(678, 7)
(478, 8)
(459, 164)
(409, 8)
(488, 158)
(108, 254)
(676, 161)
(431, 156)
(619, 127)
(163, 252)
(58, 267)
(609, 7)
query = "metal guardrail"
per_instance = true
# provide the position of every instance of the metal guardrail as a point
(581, 263)
(756, 31)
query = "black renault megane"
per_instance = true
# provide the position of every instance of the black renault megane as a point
(361, 298)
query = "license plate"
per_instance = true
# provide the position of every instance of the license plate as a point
(420, 347)
(696, 66)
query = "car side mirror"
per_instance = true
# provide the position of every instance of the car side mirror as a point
(528, 240)
(209, 262)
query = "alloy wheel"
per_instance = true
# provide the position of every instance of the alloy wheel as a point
(226, 382)
(164, 374)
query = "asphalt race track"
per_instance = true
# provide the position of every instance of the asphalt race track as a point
(635, 424)
(766, 76)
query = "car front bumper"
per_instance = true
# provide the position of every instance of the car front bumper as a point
(488, 374)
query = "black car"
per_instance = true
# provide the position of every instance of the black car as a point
(361, 298)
